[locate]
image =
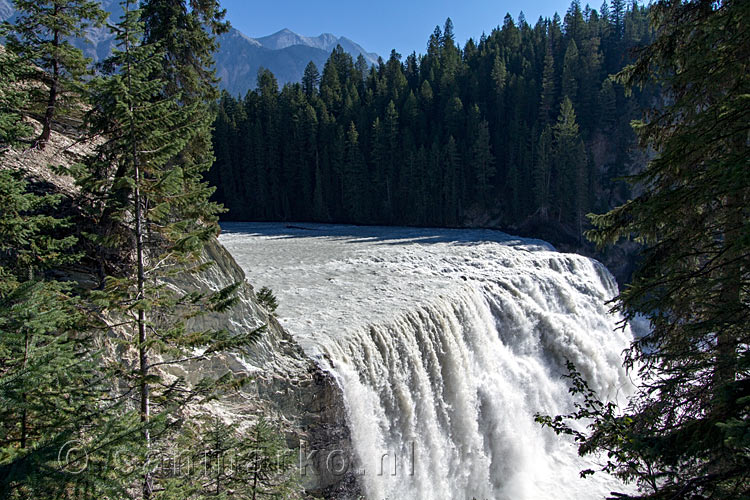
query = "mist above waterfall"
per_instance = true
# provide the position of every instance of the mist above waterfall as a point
(445, 343)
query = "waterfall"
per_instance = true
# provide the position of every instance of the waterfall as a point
(446, 343)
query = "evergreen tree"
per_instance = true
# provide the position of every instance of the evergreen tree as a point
(617, 19)
(186, 31)
(268, 463)
(574, 22)
(224, 463)
(51, 391)
(41, 35)
(608, 103)
(571, 66)
(146, 129)
(451, 192)
(310, 79)
(483, 162)
(548, 88)
(571, 166)
(12, 100)
(513, 78)
(543, 172)
(685, 432)
(49, 386)
(44, 376)
(353, 192)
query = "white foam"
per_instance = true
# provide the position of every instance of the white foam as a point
(446, 342)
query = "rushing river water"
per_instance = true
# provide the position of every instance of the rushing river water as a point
(446, 343)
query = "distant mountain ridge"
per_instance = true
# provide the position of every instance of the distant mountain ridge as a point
(327, 41)
(239, 57)
(285, 53)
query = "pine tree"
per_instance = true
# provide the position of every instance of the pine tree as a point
(451, 191)
(499, 74)
(685, 433)
(12, 100)
(514, 77)
(548, 88)
(186, 32)
(608, 103)
(223, 462)
(571, 166)
(146, 128)
(574, 22)
(269, 462)
(330, 87)
(571, 68)
(617, 19)
(41, 35)
(50, 386)
(543, 167)
(483, 163)
(353, 182)
(310, 79)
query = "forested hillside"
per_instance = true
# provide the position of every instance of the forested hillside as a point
(107, 239)
(523, 127)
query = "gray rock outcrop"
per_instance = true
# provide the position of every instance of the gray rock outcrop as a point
(288, 388)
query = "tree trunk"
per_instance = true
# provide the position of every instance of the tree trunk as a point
(730, 300)
(145, 402)
(49, 114)
(24, 412)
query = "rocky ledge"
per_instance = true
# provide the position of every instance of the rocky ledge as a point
(288, 387)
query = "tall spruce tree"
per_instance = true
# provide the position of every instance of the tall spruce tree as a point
(543, 172)
(50, 386)
(483, 162)
(12, 100)
(310, 79)
(146, 127)
(686, 432)
(512, 78)
(41, 35)
(571, 168)
(186, 32)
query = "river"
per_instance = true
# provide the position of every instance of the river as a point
(445, 344)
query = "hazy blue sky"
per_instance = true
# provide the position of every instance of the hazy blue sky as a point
(380, 26)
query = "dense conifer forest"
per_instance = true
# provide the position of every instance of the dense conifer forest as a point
(92, 250)
(525, 125)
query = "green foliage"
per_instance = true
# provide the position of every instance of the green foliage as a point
(144, 184)
(12, 100)
(281, 153)
(269, 462)
(214, 460)
(31, 239)
(41, 36)
(88, 399)
(51, 390)
(267, 299)
(310, 79)
(185, 31)
(571, 166)
(686, 431)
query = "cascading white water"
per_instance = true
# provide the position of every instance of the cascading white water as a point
(446, 343)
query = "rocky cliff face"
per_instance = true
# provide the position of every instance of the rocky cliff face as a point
(288, 387)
